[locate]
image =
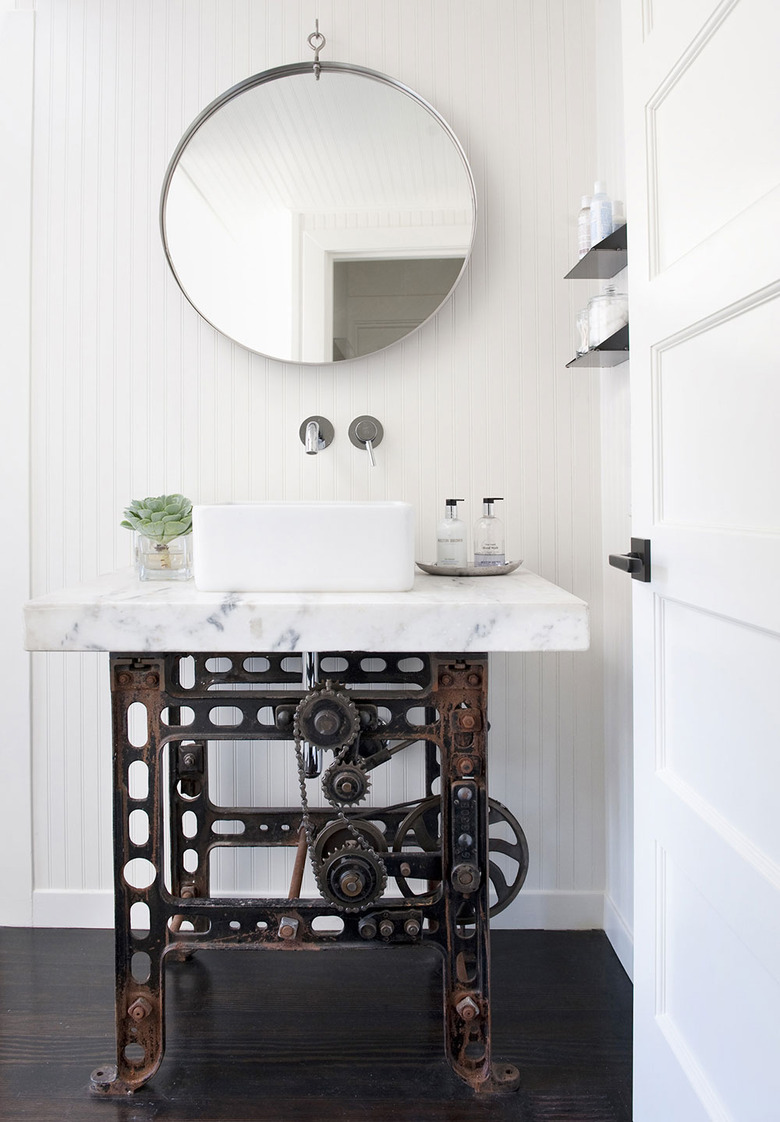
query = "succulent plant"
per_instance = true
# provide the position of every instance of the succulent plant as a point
(162, 519)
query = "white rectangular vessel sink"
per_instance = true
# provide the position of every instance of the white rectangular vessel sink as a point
(303, 547)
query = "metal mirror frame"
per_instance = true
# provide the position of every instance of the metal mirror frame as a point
(272, 75)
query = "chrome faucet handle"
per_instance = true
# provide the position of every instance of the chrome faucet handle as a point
(366, 432)
(315, 433)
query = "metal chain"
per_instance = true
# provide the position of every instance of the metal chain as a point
(306, 818)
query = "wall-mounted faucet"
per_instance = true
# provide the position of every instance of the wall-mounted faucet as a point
(316, 433)
(366, 432)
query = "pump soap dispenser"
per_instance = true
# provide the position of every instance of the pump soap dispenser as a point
(489, 536)
(451, 537)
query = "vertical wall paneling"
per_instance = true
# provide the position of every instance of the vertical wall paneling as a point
(615, 453)
(133, 394)
(16, 76)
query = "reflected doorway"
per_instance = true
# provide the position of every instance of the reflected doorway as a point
(376, 302)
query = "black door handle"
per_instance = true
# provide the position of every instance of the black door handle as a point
(628, 562)
(637, 562)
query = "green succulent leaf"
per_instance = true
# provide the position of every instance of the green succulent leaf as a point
(161, 518)
(175, 530)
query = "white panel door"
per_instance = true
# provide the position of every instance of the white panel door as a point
(703, 158)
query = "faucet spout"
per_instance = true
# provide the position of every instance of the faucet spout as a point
(312, 441)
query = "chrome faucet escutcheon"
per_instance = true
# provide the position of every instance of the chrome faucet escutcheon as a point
(315, 434)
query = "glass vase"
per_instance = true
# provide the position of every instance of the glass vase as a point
(172, 561)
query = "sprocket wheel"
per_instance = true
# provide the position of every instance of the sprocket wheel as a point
(352, 878)
(348, 834)
(346, 784)
(327, 717)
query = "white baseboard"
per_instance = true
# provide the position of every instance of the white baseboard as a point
(551, 911)
(52, 908)
(620, 936)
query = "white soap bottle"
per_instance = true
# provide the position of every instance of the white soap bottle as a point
(451, 537)
(489, 536)
(600, 214)
(583, 226)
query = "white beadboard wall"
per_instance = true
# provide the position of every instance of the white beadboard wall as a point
(616, 529)
(133, 394)
(17, 30)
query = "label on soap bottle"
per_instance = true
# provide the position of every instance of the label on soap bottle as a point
(451, 551)
(489, 558)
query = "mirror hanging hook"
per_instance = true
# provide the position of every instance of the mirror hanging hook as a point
(316, 41)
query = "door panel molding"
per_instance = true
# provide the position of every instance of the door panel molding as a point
(719, 824)
(712, 989)
(691, 149)
(744, 349)
(703, 1088)
(664, 1020)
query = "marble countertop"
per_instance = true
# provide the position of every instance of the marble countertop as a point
(117, 612)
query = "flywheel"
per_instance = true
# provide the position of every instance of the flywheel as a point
(507, 847)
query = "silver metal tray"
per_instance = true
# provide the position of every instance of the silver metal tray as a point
(469, 570)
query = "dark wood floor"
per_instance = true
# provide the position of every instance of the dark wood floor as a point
(317, 1037)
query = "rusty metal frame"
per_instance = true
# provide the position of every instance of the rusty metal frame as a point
(180, 721)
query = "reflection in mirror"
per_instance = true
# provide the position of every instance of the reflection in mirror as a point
(377, 302)
(314, 221)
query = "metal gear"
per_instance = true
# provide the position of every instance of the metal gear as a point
(326, 717)
(352, 878)
(349, 873)
(345, 833)
(346, 784)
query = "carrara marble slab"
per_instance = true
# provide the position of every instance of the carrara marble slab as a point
(117, 612)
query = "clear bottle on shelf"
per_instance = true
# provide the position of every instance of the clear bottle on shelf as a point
(606, 315)
(583, 226)
(583, 335)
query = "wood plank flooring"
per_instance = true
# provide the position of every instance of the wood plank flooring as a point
(334, 1036)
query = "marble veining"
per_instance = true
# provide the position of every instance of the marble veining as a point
(117, 612)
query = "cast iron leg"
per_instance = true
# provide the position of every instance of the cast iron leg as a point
(461, 701)
(188, 792)
(139, 955)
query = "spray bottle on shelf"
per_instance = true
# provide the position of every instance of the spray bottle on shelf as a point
(489, 536)
(451, 537)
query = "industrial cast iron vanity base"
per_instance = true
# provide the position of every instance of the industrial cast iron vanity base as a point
(432, 853)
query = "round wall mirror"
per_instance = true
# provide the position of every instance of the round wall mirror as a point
(318, 220)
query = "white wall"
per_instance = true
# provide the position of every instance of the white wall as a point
(132, 394)
(16, 77)
(616, 527)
